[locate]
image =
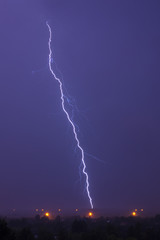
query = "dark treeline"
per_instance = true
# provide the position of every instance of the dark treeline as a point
(78, 228)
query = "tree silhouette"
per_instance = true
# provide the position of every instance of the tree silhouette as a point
(79, 226)
(5, 232)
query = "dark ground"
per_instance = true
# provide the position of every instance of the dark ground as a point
(118, 228)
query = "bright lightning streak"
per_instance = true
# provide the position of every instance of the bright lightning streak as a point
(68, 116)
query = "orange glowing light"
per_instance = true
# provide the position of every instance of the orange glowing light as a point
(76, 209)
(90, 214)
(141, 209)
(134, 214)
(136, 210)
(47, 214)
(36, 209)
(42, 210)
(59, 210)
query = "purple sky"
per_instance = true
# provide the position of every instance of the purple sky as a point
(109, 55)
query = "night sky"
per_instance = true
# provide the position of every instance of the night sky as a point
(109, 54)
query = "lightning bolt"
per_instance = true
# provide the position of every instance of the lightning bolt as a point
(68, 116)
